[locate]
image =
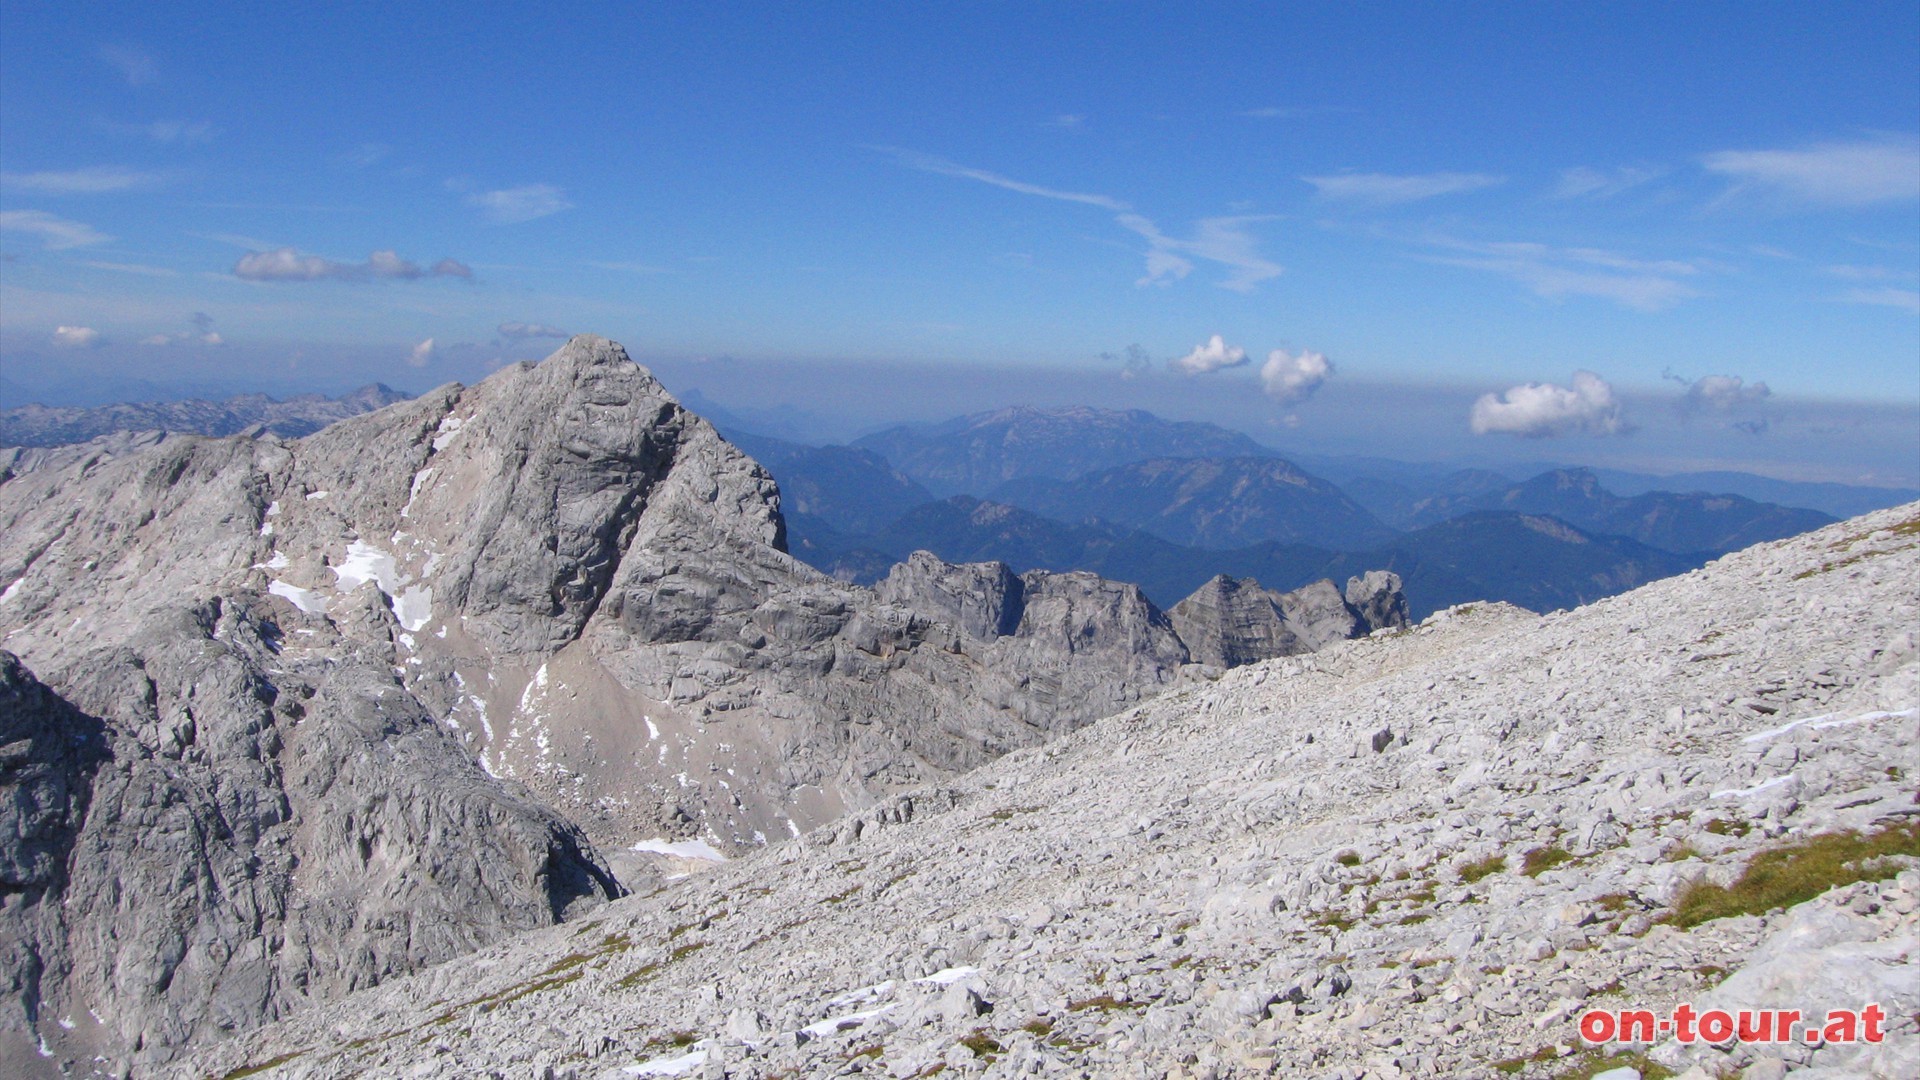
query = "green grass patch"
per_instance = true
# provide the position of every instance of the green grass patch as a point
(1594, 1062)
(1723, 827)
(842, 896)
(1479, 868)
(1784, 876)
(981, 1043)
(1347, 858)
(1038, 1028)
(672, 1040)
(1542, 859)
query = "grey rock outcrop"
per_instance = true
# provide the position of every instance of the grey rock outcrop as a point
(341, 680)
(1233, 621)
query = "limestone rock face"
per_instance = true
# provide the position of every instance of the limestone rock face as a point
(1232, 621)
(337, 689)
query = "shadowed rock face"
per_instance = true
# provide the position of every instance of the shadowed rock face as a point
(332, 691)
(1232, 621)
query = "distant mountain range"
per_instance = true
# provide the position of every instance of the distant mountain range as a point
(1168, 505)
(41, 425)
(975, 454)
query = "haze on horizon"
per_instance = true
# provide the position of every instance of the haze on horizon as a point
(1635, 235)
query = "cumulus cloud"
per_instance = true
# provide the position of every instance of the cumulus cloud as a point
(1211, 356)
(202, 333)
(76, 337)
(422, 353)
(1724, 393)
(520, 331)
(287, 264)
(97, 180)
(1384, 189)
(511, 206)
(1291, 378)
(1539, 410)
(1849, 174)
(1134, 362)
(55, 233)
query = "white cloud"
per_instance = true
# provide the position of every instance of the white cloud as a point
(131, 268)
(55, 233)
(1557, 273)
(422, 353)
(1384, 189)
(1223, 240)
(287, 264)
(1850, 174)
(929, 163)
(511, 206)
(91, 181)
(1905, 299)
(365, 155)
(76, 337)
(1538, 410)
(1294, 378)
(135, 65)
(1583, 182)
(520, 331)
(1211, 356)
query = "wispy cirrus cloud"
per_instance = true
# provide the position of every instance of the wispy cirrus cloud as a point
(514, 205)
(522, 331)
(289, 264)
(1585, 182)
(1222, 240)
(1557, 273)
(134, 64)
(1907, 300)
(96, 180)
(186, 132)
(941, 166)
(55, 233)
(1384, 190)
(1865, 172)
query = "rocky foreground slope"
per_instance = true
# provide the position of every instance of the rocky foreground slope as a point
(1419, 854)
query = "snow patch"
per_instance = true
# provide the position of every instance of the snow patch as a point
(367, 563)
(822, 1028)
(414, 607)
(449, 424)
(684, 849)
(946, 976)
(652, 731)
(15, 587)
(312, 495)
(305, 599)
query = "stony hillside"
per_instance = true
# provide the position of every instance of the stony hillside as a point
(1419, 854)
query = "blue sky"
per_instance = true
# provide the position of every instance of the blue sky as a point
(1477, 196)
